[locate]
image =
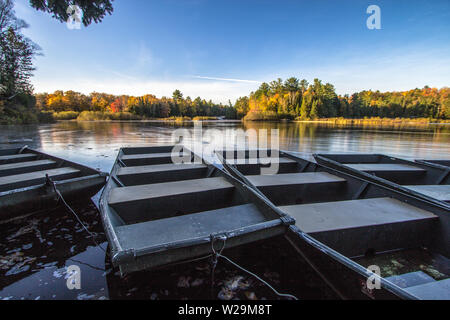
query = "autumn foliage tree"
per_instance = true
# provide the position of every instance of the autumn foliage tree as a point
(116, 106)
(16, 67)
(295, 98)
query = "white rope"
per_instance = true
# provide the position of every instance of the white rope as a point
(286, 295)
(76, 216)
(219, 255)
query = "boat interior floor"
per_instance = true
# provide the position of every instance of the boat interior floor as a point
(420, 272)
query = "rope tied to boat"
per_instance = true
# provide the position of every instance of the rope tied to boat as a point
(215, 254)
(50, 182)
(218, 254)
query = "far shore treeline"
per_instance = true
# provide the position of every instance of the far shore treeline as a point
(292, 99)
(298, 99)
(101, 106)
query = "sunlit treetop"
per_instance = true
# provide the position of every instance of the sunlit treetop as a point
(93, 10)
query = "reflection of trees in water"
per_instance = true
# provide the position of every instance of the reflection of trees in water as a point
(18, 136)
(104, 136)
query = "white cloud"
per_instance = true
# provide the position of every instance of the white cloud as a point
(227, 79)
(218, 91)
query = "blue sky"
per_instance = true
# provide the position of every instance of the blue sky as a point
(223, 49)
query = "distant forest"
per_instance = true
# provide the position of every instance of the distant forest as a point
(291, 99)
(146, 106)
(298, 99)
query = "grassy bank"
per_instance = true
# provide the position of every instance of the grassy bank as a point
(65, 115)
(260, 116)
(23, 116)
(203, 118)
(106, 116)
(376, 120)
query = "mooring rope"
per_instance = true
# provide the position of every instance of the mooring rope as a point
(216, 255)
(60, 197)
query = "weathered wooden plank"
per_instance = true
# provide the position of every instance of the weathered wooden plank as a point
(131, 176)
(252, 166)
(147, 159)
(438, 290)
(293, 179)
(187, 227)
(264, 161)
(384, 167)
(24, 167)
(163, 200)
(17, 158)
(328, 216)
(354, 227)
(35, 178)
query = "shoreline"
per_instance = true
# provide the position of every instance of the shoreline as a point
(338, 121)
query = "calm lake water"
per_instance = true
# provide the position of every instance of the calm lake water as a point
(35, 252)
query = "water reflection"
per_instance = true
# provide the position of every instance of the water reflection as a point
(96, 143)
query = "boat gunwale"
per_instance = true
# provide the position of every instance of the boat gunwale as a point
(433, 164)
(57, 183)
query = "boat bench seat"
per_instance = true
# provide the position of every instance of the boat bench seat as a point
(352, 227)
(295, 188)
(438, 290)
(410, 279)
(396, 172)
(147, 159)
(131, 176)
(383, 167)
(17, 158)
(35, 178)
(192, 226)
(439, 192)
(252, 166)
(163, 200)
(293, 179)
(24, 167)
